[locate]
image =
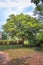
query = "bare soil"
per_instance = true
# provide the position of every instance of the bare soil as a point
(30, 59)
(4, 58)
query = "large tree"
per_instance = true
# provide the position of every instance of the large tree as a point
(22, 26)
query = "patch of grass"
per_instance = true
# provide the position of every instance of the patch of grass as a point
(6, 47)
(20, 52)
(15, 51)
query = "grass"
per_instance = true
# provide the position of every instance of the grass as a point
(16, 51)
(19, 52)
(7, 47)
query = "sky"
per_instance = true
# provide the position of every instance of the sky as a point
(8, 7)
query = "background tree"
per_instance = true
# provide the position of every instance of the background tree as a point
(4, 36)
(38, 9)
(39, 12)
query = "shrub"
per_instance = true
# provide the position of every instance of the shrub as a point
(4, 42)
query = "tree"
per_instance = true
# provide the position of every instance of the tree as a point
(38, 9)
(39, 12)
(22, 26)
(36, 1)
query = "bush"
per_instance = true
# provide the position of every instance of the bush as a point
(12, 42)
(8, 42)
(2, 42)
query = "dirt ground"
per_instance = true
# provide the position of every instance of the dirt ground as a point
(30, 59)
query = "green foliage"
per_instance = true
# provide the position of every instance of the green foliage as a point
(40, 35)
(38, 9)
(35, 1)
(4, 36)
(22, 27)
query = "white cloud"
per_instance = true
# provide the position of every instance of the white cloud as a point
(2, 23)
(14, 7)
(2, 4)
(18, 4)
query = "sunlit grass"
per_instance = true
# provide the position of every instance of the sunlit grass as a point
(15, 51)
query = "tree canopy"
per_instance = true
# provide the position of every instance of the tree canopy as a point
(22, 26)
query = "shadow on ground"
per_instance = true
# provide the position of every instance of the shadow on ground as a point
(33, 59)
(18, 61)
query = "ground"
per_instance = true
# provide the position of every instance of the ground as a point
(9, 55)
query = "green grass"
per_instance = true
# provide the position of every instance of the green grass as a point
(16, 51)
(7, 47)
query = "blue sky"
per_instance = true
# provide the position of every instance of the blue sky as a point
(8, 7)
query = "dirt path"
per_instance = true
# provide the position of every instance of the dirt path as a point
(4, 58)
(30, 59)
